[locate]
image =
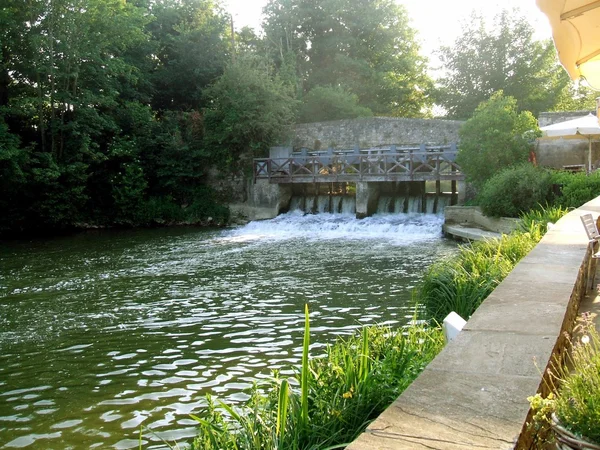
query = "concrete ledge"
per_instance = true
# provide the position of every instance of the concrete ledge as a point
(474, 393)
(472, 216)
(469, 233)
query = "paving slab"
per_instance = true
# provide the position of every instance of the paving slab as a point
(496, 353)
(489, 414)
(523, 317)
(511, 291)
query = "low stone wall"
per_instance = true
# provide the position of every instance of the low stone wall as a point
(474, 393)
(472, 216)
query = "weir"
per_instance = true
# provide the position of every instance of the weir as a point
(392, 179)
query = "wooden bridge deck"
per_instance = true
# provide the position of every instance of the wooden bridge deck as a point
(377, 165)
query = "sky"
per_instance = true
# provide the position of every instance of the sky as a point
(438, 22)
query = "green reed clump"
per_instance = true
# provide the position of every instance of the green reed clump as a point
(538, 219)
(462, 282)
(330, 400)
(578, 397)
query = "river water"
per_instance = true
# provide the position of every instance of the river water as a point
(103, 332)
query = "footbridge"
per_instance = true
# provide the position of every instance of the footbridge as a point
(399, 171)
(392, 163)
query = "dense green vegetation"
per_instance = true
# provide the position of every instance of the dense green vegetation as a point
(461, 283)
(332, 397)
(516, 190)
(112, 111)
(572, 409)
(522, 188)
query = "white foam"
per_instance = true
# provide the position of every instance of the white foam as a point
(394, 228)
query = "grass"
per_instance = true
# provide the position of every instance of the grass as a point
(463, 282)
(330, 400)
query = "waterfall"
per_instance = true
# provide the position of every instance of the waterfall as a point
(345, 204)
(397, 229)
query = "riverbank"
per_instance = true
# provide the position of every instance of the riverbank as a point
(474, 393)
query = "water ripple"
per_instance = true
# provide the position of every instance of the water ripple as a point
(103, 332)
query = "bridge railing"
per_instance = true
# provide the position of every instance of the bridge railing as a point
(355, 165)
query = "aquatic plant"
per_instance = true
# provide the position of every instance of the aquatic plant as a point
(330, 400)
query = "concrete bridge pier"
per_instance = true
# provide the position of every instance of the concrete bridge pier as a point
(269, 200)
(367, 196)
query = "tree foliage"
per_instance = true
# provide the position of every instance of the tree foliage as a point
(111, 111)
(101, 110)
(505, 57)
(365, 47)
(331, 103)
(248, 110)
(496, 137)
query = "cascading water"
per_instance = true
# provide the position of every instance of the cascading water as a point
(324, 204)
(396, 229)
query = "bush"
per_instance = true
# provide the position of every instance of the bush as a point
(515, 190)
(576, 402)
(332, 398)
(496, 137)
(576, 188)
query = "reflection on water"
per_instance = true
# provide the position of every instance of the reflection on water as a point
(105, 331)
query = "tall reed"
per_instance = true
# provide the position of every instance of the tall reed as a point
(331, 399)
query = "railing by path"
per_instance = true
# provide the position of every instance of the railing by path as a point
(370, 165)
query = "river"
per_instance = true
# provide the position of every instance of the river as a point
(106, 331)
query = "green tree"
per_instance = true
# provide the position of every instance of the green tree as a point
(365, 47)
(505, 57)
(249, 111)
(191, 51)
(496, 137)
(331, 103)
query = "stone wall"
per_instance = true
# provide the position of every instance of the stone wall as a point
(557, 153)
(376, 131)
(548, 118)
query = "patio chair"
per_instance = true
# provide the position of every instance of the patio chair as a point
(593, 236)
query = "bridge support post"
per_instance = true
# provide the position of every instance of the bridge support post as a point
(367, 196)
(268, 200)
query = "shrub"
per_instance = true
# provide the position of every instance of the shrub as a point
(576, 188)
(496, 137)
(331, 399)
(578, 399)
(515, 190)
(576, 402)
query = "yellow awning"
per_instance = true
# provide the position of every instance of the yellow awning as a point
(576, 31)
